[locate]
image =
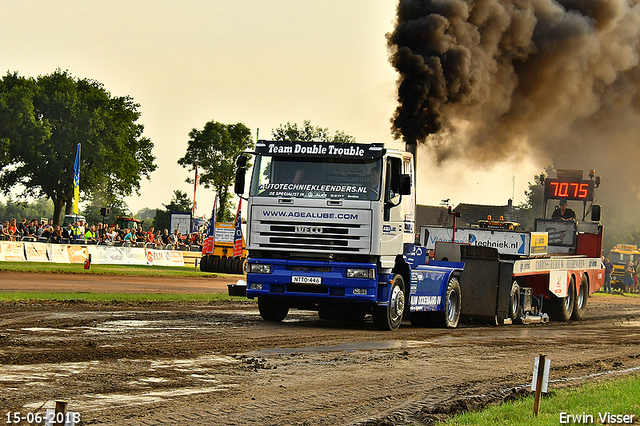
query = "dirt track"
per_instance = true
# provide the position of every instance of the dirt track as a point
(221, 364)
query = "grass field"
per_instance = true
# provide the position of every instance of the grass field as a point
(76, 268)
(592, 403)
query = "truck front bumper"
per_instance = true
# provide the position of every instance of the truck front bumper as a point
(314, 280)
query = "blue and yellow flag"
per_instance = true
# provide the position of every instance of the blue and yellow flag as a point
(76, 181)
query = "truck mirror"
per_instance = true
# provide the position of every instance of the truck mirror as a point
(405, 185)
(596, 211)
(238, 186)
(241, 161)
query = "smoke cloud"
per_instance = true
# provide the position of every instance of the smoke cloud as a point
(502, 80)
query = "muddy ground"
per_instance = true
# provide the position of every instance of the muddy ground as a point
(221, 364)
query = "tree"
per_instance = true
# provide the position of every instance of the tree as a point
(100, 199)
(533, 205)
(37, 209)
(44, 119)
(215, 149)
(179, 203)
(309, 133)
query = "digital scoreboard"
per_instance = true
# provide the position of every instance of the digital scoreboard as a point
(581, 190)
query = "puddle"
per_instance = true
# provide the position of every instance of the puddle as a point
(45, 330)
(348, 347)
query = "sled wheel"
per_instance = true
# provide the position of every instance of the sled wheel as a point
(452, 304)
(514, 301)
(562, 307)
(580, 306)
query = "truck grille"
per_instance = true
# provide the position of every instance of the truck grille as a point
(295, 234)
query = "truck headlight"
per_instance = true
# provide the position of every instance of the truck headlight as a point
(361, 273)
(259, 268)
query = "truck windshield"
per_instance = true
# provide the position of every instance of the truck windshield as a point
(354, 179)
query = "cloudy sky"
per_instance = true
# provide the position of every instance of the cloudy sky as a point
(262, 63)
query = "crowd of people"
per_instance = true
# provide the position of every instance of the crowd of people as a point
(102, 234)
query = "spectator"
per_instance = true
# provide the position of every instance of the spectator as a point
(149, 237)
(39, 229)
(158, 238)
(608, 270)
(101, 232)
(22, 225)
(77, 231)
(90, 236)
(4, 231)
(165, 237)
(634, 287)
(56, 234)
(176, 240)
(12, 230)
(47, 233)
(628, 276)
(67, 233)
(110, 236)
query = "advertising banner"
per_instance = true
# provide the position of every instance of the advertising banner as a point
(36, 252)
(506, 242)
(58, 253)
(164, 258)
(76, 254)
(12, 251)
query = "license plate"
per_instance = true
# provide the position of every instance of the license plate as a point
(300, 279)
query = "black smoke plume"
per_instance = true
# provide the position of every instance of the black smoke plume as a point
(495, 80)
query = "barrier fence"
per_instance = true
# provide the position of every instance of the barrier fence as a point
(22, 251)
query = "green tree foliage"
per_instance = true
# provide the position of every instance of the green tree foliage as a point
(179, 203)
(100, 199)
(215, 149)
(41, 122)
(146, 215)
(309, 133)
(38, 209)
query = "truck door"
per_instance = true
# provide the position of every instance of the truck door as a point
(393, 215)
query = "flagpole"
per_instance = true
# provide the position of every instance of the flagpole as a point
(195, 187)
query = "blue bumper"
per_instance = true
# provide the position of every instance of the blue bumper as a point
(305, 280)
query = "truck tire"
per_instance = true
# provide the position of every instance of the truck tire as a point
(452, 304)
(272, 310)
(580, 306)
(562, 307)
(222, 265)
(213, 263)
(514, 301)
(203, 266)
(389, 317)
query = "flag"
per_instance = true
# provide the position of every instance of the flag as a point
(196, 182)
(207, 246)
(237, 239)
(76, 181)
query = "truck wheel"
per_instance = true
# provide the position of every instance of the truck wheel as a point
(389, 317)
(452, 304)
(514, 301)
(562, 307)
(214, 261)
(203, 266)
(272, 310)
(580, 306)
(222, 265)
